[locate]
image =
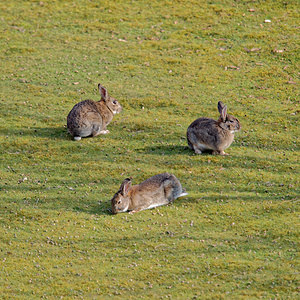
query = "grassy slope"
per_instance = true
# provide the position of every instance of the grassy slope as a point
(168, 62)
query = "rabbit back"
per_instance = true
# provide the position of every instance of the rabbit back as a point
(158, 190)
(166, 184)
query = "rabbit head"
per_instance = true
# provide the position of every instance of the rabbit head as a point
(110, 102)
(226, 121)
(121, 200)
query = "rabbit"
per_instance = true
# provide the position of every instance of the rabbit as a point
(90, 118)
(208, 134)
(155, 191)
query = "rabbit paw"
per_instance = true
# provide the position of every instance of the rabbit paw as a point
(220, 153)
(104, 132)
(134, 211)
(197, 151)
(223, 153)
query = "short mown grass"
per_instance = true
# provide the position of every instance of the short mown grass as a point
(168, 62)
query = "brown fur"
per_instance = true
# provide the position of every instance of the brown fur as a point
(208, 134)
(90, 118)
(155, 191)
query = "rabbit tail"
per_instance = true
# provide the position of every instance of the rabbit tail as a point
(183, 193)
(173, 188)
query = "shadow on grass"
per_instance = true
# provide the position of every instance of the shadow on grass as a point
(177, 149)
(58, 198)
(166, 150)
(100, 209)
(47, 132)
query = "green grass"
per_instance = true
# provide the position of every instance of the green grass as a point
(168, 62)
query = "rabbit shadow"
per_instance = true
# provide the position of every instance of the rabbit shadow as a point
(166, 150)
(98, 208)
(46, 132)
(173, 150)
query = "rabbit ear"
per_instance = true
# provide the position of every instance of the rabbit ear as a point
(125, 186)
(222, 110)
(102, 91)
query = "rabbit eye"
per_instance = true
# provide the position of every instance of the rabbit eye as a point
(119, 201)
(115, 102)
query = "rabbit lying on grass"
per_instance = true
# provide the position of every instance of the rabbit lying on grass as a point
(155, 191)
(208, 134)
(90, 118)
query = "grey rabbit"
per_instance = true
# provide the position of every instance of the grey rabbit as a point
(155, 191)
(90, 118)
(208, 134)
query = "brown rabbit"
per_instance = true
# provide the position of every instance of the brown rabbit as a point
(90, 118)
(155, 191)
(208, 134)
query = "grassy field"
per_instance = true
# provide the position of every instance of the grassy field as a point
(235, 235)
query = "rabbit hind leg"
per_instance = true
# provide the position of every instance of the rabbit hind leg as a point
(197, 150)
(100, 130)
(171, 190)
(194, 147)
(96, 130)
